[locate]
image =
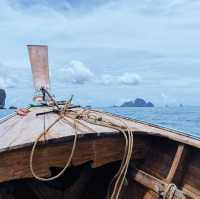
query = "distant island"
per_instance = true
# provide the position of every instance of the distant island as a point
(12, 107)
(88, 106)
(139, 102)
(2, 98)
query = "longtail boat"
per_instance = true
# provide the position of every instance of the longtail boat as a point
(56, 149)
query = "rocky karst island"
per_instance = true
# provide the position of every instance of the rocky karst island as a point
(139, 102)
(2, 98)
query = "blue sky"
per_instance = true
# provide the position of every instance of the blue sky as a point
(104, 51)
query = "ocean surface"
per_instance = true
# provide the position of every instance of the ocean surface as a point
(184, 119)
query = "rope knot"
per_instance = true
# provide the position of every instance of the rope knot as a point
(79, 117)
(170, 191)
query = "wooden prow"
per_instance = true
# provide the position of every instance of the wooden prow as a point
(38, 55)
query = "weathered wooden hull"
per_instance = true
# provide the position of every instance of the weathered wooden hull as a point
(160, 158)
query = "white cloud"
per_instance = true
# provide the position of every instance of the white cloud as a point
(77, 73)
(129, 79)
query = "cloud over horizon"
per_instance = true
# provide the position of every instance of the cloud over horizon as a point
(77, 72)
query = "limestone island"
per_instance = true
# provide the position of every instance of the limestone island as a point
(12, 107)
(139, 102)
(2, 98)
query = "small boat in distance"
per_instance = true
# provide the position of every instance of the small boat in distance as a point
(56, 149)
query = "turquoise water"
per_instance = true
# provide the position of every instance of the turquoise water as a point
(185, 119)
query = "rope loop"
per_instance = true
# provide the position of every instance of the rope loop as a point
(68, 161)
(95, 118)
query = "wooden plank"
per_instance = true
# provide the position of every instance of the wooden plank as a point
(148, 181)
(100, 151)
(154, 184)
(191, 191)
(191, 180)
(19, 132)
(13, 137)
(175, 163)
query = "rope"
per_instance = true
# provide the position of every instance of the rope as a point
(124, 169)
(96, 119)
(92, 117)
(69, 159)
(171, 191)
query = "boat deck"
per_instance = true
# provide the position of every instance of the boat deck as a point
(21, 131)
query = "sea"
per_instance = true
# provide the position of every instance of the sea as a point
(183, 119)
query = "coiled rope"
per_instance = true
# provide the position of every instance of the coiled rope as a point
(96, 119)
(92, 117)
